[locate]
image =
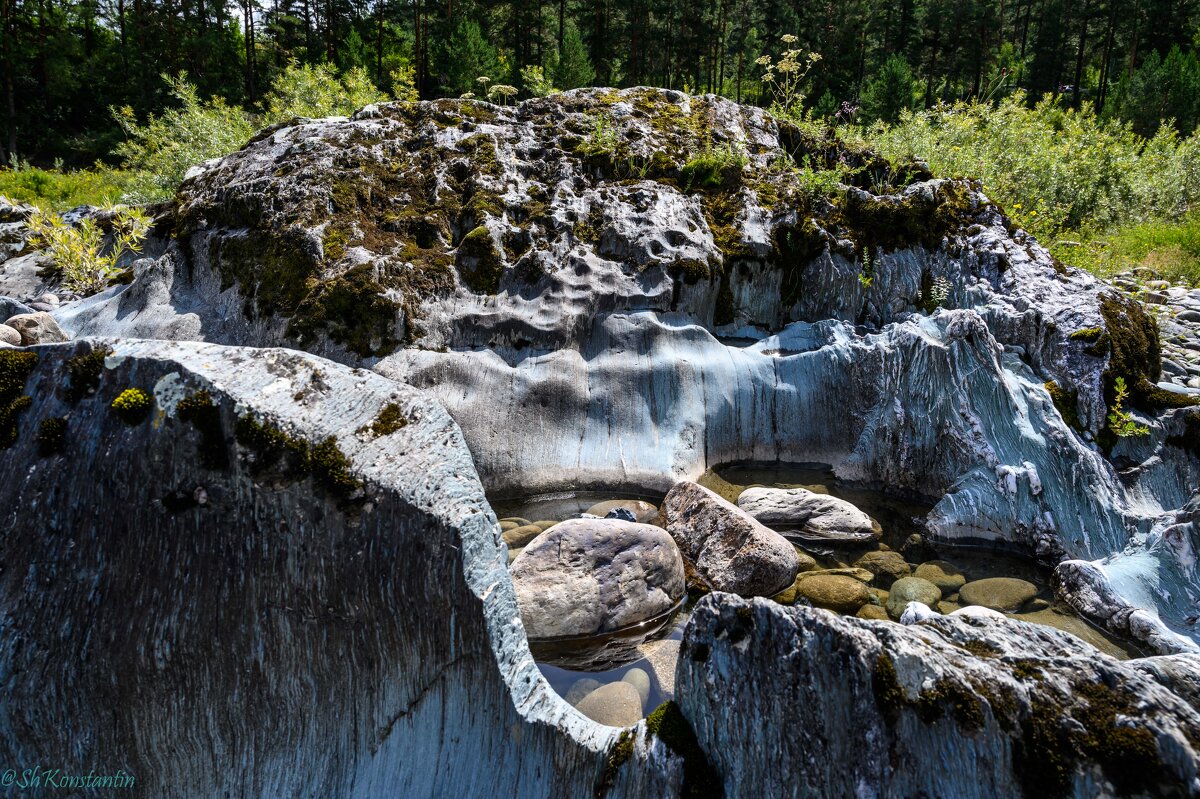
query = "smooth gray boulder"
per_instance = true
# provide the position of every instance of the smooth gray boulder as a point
(729, 549)
(38, 327)
(820, 518)
(587, 576)
(944, 707)
(187, 586)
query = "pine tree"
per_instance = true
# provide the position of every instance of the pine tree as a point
(466, 57)
(574, 68)
(889, 92)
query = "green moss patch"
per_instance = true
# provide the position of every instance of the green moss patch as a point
(700, 780)
(353, 309)
(52, 436)
(618, 755)
(1067, 403)
(199, 410)
(15, 368)
(479, 263)
(389, 419)
(271, 448)
(132, 406)
(83, 373)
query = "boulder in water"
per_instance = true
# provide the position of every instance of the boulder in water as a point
(587, 576)
(730, 550)
(817, 517)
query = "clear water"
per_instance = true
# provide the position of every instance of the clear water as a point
(609, 658)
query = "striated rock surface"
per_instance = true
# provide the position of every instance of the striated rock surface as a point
(263, 544)
(586, 576)
(729, 549)
(601, 316)
(944, 707)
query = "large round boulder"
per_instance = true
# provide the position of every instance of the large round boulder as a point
(617, 704)
(586, 576)
(729, 549)
(809, 515)
(943, 574)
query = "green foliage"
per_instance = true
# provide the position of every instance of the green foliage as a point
(1120, 421)
(1170, 249)
(315, 91)
(132, 405)
(715, 166)
(536, 84)
(889, 92)
(1160, 89)
(866, 273)
(56, 190)
(1057, 171)
(160, 152)
(404, 87)
(602, 140)
(84, 264)
(573, 68)
(467, 55)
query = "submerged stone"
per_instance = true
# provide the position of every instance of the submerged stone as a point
(1006, 594)
(911, 589)
(617, 704)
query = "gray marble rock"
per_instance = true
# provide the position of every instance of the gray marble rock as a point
(817, 517)
(369, 598)
(730, 550)
(586, 576)
(943, 707)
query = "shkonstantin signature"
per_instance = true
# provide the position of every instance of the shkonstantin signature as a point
(41, 777)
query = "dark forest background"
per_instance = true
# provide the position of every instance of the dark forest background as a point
(65, 63)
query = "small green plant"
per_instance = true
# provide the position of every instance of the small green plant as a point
(80, 257)
(710, 167)
(603, 140)
(866, 275)
(132, 405)
(1120, 421)
(534, 79)
(785, 77)
(937, 294)
(54, 189)
(404, 86)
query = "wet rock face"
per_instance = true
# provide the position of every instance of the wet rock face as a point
(587, 576)
(260, 543)
(945, 707)
(729, 549)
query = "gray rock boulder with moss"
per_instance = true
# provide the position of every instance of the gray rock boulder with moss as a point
(944, 707)
(635, 319)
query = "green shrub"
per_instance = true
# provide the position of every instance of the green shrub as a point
(316, 90)
(710, 167)
(160, 152)
(1170, 249)
(81, 260)
(1055, 170)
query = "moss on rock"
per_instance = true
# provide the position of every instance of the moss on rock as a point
(199, 410)
(353, 309)
(15, 368)
(700, 780)
(83, 373)
(271, 447)
(132, 406)
(52, 436)
(479, 263)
